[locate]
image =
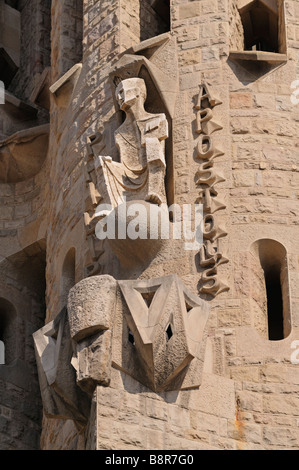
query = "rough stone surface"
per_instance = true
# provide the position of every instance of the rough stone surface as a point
(235, 151)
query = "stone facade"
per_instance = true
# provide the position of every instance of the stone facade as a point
(142, 344)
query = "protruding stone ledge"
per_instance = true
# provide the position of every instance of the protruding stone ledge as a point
(258, 56)
(64, 87)
(23, 154)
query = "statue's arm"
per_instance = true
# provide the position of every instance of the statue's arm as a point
(157, 127)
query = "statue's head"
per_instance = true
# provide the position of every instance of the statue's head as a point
(129, 91)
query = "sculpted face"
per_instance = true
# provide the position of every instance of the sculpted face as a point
(129, 91)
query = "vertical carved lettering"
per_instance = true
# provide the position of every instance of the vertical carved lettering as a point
(210, 256)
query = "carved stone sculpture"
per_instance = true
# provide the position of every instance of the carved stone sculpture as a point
(152, 330)
(211, 255)
(91, 308)
(140, 173)
(53, 350)
(166, 324)
(141, 144)
(73, 352)
(10, 44)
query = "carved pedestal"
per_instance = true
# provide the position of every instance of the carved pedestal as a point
(152, 331)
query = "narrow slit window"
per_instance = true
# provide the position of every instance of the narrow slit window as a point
(162, 8)
(274, 303)
(273, 260)
(155, 18)
(25, 45)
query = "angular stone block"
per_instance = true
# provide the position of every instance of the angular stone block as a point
(91, 305)
(166, 324)
(61, 396)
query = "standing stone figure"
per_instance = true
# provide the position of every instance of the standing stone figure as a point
(141, 144)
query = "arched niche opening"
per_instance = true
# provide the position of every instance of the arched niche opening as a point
(155, 18)
(272, 257)
(10, 41)
(68, 276)
(23, 282)
(8, 336)
(22, 312)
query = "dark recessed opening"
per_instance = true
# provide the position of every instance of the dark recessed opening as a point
(148, 298)
(162, 8)
(8, 68)
(131, 338)
(12, 3)
(7, 331)
(169, 333)
(261, 29)
(273, 259)
(275, 304)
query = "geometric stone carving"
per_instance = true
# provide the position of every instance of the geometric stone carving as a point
(155, 60)
(137, 251)
(210, 256)
(141, 144)
(62, 90)
(95, 245)
(140, 174)
(271, 4)
(143, 141)
(91, 308)
(91, 305)
(152, 330)
(166, 323)
(60, 395)
(73, 352)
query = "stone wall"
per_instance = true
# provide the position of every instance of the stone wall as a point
(23, 288)
(66, 49)
(259, 191)
(249, 395)
(24, 202)
(35, 46)
(22, 274)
